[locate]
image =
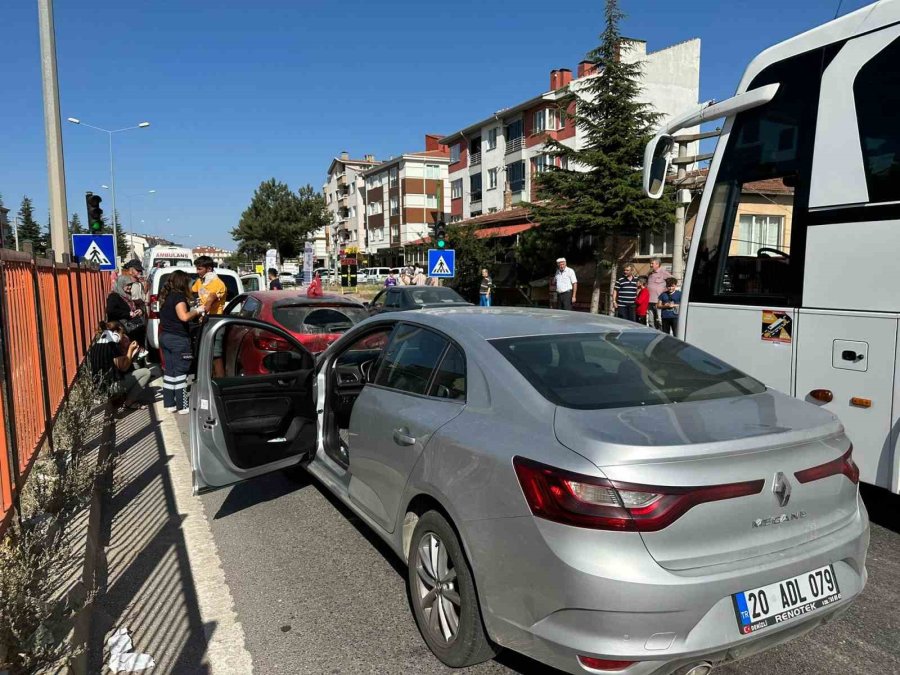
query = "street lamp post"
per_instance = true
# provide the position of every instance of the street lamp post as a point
(112, 172)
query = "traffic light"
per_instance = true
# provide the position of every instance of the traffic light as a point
(94, 212)
(440, 234)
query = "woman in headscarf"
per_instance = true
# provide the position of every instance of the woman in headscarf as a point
(120, 307)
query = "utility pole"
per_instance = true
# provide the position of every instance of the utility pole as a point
(56, 172)
(682, 195)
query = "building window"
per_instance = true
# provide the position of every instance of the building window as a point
(456, 189)
(393, 176)
(455, 219)
(475, 187)
(475, 214)
(432, 171)
(492, 138)
(493, 209)
(541, 163)
(353, 212)
(353, 187)
(756, 232)
(374, 208)
(514, 134)
(657, 243)
(545, 120)
(492, 178)
(375, 181)
(515, 174)
(454, 153)
(395, 206)
(431, 201)
(563, 163)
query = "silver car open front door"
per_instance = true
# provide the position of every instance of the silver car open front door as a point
(253, 405)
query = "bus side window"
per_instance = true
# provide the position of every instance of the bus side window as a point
(752, 242)
(877, 94)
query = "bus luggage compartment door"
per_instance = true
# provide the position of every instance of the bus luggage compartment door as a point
(854, 356)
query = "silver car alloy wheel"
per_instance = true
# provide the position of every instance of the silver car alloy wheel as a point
(438, 595)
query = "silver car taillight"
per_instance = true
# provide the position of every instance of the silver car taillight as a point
(587, 501)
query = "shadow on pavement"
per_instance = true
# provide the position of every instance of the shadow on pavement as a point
(146, 583)
(262, 489)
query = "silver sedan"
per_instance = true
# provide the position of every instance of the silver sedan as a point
(597, 495)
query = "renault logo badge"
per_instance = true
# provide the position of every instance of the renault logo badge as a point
(781, 488)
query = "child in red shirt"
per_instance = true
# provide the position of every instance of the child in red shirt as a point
(642, 302)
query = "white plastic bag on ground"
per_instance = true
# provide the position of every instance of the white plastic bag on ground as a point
(121, 658)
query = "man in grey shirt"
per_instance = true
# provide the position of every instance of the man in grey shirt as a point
(566, 284)
(656, 284)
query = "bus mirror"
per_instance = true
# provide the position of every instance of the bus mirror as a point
(656, 164)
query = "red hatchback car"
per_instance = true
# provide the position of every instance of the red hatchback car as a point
(315, 322)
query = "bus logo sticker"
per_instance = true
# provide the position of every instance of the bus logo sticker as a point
(776, 326)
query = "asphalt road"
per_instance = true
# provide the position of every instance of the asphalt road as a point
(316, 592)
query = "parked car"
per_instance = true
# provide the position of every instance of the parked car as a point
(254, 282)
(314, 322)
(401, 298)
(377, 275)
(287, 279)
(593, 493)
(157, 279)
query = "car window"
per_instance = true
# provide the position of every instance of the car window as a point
(318, 319)
(433, 296)
(450, 378)
(250, 283)
(410, 358)
(378, 301)
(235, 309)
(251, 307)
(591, 371)
(393, 299)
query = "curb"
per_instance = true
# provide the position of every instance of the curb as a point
(94, 571)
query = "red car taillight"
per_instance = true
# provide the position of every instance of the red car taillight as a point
(270, 343)
(843, 464)
(603, 664)
(587, 501)
(153, 307)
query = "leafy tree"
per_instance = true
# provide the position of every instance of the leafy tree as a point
(75, 226)
(604, 200)
(277, 218)
(29, 229)
(472, 254)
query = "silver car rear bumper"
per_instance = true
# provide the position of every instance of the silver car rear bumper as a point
(560, 591)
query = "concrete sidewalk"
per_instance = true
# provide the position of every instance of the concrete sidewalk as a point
(162, 579)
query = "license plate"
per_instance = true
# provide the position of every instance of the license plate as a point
(785, 600)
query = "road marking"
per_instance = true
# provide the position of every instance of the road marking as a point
(226, 650)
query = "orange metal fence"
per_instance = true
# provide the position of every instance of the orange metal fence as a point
(49, 313)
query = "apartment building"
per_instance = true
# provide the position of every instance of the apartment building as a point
(493, 161)
(343, 191)
(404, 197)
(217, 254)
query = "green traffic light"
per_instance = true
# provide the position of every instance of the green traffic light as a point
(441, 243)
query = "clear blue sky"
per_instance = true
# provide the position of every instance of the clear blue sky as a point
(240, 91)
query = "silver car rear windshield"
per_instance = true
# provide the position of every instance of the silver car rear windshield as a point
(318, 318)
(591, 371)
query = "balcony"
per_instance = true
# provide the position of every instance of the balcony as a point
(475, 158)
(515, 144)
(342, 179)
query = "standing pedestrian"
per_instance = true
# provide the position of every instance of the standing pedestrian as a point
(390, 281)
(566, 284)
(486, 290)
(208, 287)
(669, 300)
(135, 270)
(625, 293)
(175, 314)
(419, 279)
(274, 281)
(405, 279)
(656, 284)
(642, 301)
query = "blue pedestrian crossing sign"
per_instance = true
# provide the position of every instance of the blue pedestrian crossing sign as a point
(442, 263)
(98, 249)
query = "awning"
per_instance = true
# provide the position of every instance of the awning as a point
(503, 230)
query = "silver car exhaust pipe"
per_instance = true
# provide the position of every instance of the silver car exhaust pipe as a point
(703, 668)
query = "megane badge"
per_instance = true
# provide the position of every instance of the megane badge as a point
(781, 488)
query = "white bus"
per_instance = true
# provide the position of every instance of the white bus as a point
(799, 291)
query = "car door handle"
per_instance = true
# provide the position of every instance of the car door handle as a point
(402, 437)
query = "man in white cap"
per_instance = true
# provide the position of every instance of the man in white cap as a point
(566, 284)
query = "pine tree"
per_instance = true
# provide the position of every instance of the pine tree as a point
(75, 226)
(29, 229)
(605, 200)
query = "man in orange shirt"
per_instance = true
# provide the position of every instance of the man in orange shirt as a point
(212, 293)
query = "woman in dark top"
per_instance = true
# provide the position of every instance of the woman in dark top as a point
(120, 307)
(174, 339)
